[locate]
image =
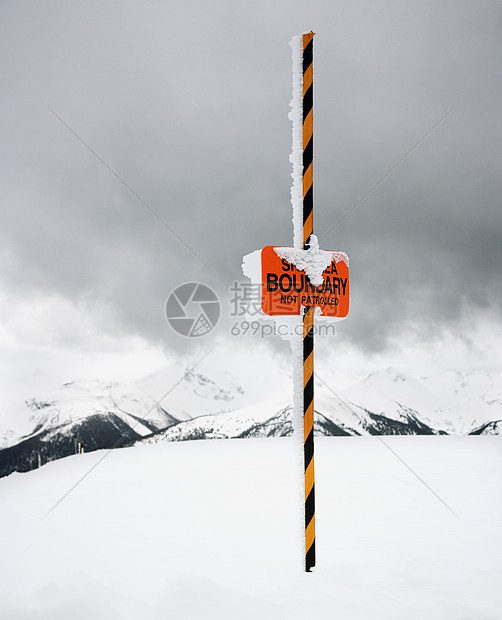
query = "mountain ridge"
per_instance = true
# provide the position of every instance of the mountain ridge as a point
(93, 415)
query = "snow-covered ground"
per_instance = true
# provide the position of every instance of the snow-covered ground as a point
(202, 530)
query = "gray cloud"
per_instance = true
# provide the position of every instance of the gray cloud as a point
(188, 103)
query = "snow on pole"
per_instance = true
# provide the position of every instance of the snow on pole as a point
(296, 284)
(302, 202)
(296, 157)
(308, 317)
(307, 135)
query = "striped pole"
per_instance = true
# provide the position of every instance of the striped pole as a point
(308, 140)
(308, 317)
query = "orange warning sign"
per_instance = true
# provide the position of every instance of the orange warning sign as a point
(285, 289)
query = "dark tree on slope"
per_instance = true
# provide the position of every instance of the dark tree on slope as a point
(95, 432)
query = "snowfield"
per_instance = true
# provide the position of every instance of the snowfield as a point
(210, 529)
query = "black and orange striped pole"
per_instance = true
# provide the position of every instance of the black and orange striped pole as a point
(308, 429)
(305, 256)
(308, 317)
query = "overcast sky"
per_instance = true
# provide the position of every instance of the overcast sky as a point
(187, 102)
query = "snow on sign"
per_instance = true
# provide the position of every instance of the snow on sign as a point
(289, 279)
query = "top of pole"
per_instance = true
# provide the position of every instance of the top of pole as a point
(308, 139)
(298, 44)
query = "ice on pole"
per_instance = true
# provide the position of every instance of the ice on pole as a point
(309, 312)
(296, 157)
(300, 283)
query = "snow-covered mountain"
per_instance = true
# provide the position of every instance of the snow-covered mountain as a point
(188, 393)
(94, 414)
(452, 402)
(86, 415)
(176, 405)
(7, 437)
(456, 403)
